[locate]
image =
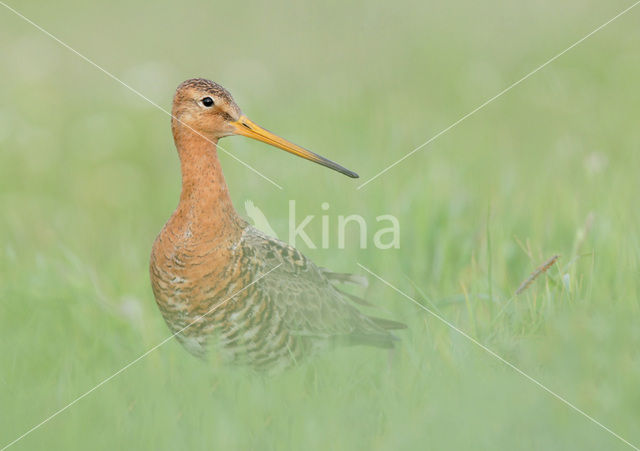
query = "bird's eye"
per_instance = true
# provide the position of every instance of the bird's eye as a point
(207, 101)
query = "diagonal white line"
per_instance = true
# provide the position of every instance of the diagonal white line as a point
(492, 353)
(134, 361)
(504, 91)
(135, 91)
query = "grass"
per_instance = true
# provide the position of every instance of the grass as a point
(88, 175)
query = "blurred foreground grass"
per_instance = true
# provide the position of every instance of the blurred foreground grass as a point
(88, 175)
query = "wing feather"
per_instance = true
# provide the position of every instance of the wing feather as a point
(306, 299)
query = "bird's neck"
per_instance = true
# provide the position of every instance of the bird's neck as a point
(204, 200)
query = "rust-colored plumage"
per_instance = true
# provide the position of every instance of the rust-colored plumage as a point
(208, 265)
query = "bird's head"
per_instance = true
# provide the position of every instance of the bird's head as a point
(206, 108)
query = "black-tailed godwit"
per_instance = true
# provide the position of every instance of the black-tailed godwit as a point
(208, 265)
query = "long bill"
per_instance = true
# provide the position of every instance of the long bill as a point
(245, 127)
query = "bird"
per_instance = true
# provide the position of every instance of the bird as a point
(222, 286)
(260, 221)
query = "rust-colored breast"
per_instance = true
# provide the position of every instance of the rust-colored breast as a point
(218, 280)
(202, 283)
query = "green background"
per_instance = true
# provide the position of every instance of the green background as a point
(88, 175)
